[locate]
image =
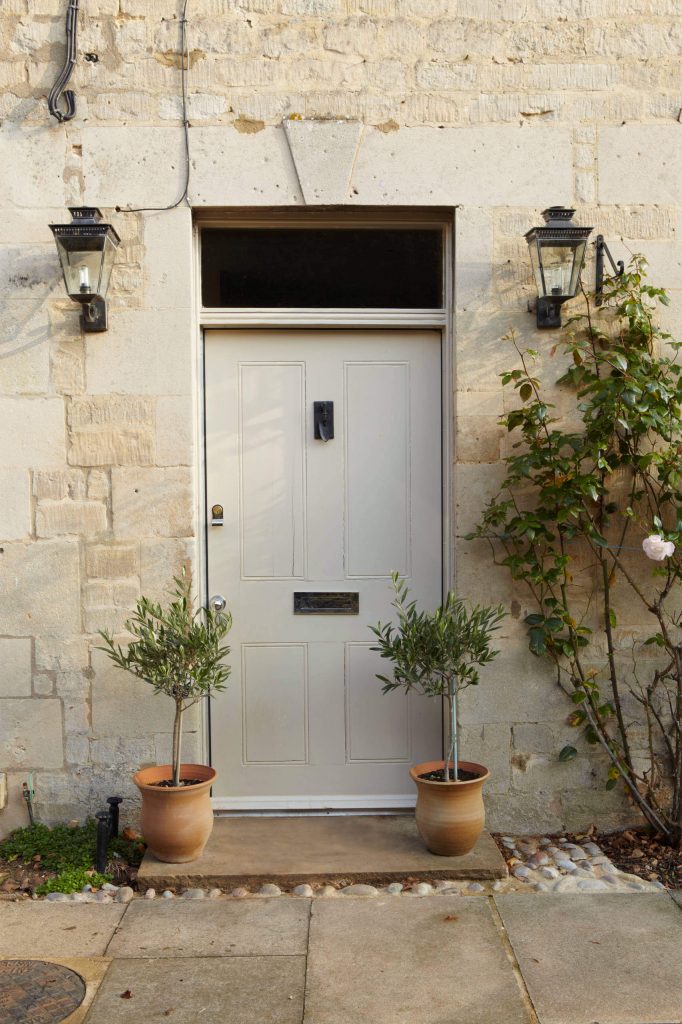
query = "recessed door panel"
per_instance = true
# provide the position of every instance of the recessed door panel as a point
(377, 724)
(272, 482)
(377, 405)
(274, 703)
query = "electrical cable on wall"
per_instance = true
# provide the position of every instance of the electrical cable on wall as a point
(59, 88)
(184, 68)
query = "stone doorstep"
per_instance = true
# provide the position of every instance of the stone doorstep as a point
(290, 851)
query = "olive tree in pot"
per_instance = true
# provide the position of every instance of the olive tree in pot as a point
(438, 654)
(178, 651)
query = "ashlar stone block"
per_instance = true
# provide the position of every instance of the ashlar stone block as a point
(152, 502)
(489, 745)
(111, 430)
(168, 258)
(243, 169)
(516, 686)
(464, 166)
(86, 518)
(123, 706)
(34, 432)
(57, 484)
(147, 353)
(174, 431)
(28, 273)
(31, 733)
(50, 569)
(131, 166)
(65, 654)
(160, 561)
(15, 673)
(324, 155)
(474, 256)
(24, 368)
(640, 163)
(15, 504)
(112, 561)
(31, 165)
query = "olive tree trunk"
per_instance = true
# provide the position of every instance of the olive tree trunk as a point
(452, 749)
(177, 741)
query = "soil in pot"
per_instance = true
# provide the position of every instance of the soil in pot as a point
(462, 775)
(169, 784)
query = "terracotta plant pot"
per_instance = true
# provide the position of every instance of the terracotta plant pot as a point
(176, 822)
(450, 815)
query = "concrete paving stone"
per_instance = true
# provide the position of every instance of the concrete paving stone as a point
(244, 990)
(263, 927)
(612, 958)
(56, 929)
(433, 961)
(677, 896)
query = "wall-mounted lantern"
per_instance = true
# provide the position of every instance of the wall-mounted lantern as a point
(87, 249)
(557, 252)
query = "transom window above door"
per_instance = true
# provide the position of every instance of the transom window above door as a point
(322, 268)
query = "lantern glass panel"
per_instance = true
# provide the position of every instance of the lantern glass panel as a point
(87, 264)
(557, 267)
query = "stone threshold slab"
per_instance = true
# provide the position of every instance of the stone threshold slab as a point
(248, 851)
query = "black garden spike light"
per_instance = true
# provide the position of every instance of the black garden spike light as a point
(557, 253)
(87, 249)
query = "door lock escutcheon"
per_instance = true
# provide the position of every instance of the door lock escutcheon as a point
(217, 515)
(323, 420)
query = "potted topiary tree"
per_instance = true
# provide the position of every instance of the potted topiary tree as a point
(179, 652)
(438, 654)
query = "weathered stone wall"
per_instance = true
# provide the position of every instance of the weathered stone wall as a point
(500, 108)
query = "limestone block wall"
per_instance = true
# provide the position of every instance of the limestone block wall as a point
(496, 108)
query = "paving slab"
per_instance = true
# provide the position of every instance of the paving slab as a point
(57, 929)
(409, 961)
(246, 990)
(292, 850)
(677, 896)
(175, 928)
(607, 958)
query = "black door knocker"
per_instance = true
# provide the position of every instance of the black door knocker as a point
(323, 419)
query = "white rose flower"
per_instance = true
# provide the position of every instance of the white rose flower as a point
(657, 548)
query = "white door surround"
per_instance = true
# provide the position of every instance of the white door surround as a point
(345, 318)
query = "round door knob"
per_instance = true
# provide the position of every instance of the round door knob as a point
(217, 603)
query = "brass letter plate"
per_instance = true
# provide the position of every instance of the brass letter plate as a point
(326, 603)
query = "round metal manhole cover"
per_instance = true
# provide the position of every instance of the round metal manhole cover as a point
(35, 991)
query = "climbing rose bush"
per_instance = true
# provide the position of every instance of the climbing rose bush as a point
(582, 512)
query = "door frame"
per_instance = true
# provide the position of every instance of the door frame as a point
(441, 320)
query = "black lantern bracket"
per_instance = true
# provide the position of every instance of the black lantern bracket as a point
(94, 316)
(618, 267)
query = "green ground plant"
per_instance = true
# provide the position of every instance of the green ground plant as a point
(64, 847)
(589, 518)
(72, 880)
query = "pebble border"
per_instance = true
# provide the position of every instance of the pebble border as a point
(537, 864)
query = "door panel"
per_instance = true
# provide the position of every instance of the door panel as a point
(377, 424)
(303, 721)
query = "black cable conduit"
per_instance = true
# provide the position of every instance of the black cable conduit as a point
(59, 88)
